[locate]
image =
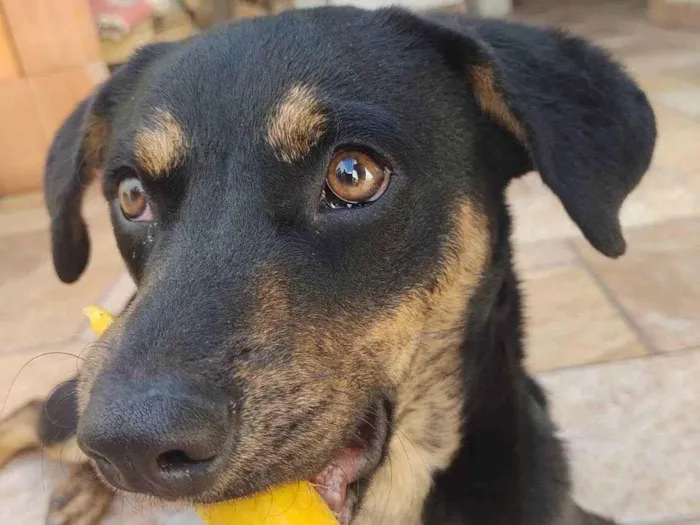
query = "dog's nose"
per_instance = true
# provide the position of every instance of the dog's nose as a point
(165, 440)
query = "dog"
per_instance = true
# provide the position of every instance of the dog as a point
(313, 208)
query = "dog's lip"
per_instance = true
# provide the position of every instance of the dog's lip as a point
(354, 462)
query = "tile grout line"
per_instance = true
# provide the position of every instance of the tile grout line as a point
(647, 344)
(624, 360)
(689, 519)
(33, 347)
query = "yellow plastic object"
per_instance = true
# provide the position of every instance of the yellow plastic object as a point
(100, 319)
(293, 504)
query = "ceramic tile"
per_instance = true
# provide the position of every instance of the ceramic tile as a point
(25, 488)
(33, 374)
(657, 282)
(685, 101)
(663, 194)
(537, 213)
(27, 213)
(654, 85)
(676, 147)
(539, 254)
(44, 310)
(632, 432)
(570, 322)
(22, 254)
(663, 60)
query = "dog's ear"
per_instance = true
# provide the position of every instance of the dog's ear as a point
(75, 159)
(585, 125)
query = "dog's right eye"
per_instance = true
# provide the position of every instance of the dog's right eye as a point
(355, 179)
(133, 201)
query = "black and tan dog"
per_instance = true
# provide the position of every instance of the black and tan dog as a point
(312, 206)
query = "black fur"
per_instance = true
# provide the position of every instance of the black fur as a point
(397, 85)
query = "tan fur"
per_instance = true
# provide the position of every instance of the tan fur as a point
(330, 355)
(82, 499)
(96, 135)
(18, 432)
(272, 315)
(296, 125)
(491, 100)
(66, 452)
(429, 406)
(159, 146)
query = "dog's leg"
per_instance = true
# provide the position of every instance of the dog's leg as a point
(80, 500)
(18, 432)
(50, 426)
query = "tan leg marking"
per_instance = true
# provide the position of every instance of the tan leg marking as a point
(80, 500)
(18, 432)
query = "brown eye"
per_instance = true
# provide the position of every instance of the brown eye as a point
(132, 200)
(356, 178)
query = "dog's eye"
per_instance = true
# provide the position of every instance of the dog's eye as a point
(356, 179)
(132, 200)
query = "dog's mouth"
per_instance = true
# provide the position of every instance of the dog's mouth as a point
(339, 481)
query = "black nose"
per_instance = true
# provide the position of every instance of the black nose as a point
(165, 439)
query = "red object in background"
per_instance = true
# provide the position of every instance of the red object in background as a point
(117, 18)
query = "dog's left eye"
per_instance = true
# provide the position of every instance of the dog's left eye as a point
(356, 179)
(132, 200)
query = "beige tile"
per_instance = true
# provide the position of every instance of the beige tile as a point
(663, 194)
(33, 374)
(541, 254)
(27, 213)
(662, 60)
(570, 322)
(632, 432)
(677, 144)
(25, 488)
(22, 254)
(685, 101)
(537, 213)
(44, 310)
(659, 84)
(657, 282)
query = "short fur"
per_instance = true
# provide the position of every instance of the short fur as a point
(300, 315)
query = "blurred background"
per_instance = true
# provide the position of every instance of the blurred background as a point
(616, 343)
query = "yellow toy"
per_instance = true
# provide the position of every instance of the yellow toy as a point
(294, 504)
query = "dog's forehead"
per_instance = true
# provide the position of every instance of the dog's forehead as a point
(239, 74)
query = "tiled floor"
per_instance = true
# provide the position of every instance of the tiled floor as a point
(617, 343)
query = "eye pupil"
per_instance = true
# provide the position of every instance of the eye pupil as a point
(350, 172)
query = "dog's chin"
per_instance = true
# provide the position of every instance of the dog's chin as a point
(339, 481)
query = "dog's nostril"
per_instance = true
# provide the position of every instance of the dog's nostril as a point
(178, 459)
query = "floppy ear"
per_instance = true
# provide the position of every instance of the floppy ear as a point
(70, 168)
(76, 157)
(585, 125)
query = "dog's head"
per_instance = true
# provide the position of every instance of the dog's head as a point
(309, 203)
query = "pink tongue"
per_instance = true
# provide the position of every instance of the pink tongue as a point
(332, 482)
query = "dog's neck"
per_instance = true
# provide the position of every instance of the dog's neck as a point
(436, 431)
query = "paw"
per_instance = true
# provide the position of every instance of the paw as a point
(80, 500)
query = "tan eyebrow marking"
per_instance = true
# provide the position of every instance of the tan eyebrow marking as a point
(296, 125)
(159, 146)
(491, 101)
